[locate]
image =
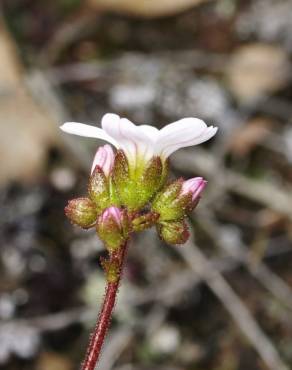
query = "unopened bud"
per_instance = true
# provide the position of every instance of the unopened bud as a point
(81, 212)
(168, 204)
(178, 198)
(104, 159)
(173, 232)
(194, 187)
(112, 227)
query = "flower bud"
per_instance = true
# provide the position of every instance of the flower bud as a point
(168, 204)
(112, 227)
(173, 232)
(194, 187)
(104, 158)
(82, 212)
(178, 198)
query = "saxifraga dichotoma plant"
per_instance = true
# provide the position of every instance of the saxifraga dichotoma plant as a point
(129, 192)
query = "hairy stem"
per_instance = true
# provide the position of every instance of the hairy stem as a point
(104, 318)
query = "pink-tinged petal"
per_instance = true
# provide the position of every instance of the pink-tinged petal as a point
(81, 129)
(195, 186)
(104, 158)
(183, 133)
(132, 140)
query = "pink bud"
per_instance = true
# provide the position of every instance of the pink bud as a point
(195, 186)
(112, 214)
(104, 158)
(112, 227)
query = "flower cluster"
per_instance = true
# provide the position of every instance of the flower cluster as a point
(128, 190)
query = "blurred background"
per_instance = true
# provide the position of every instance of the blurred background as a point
(224, 300)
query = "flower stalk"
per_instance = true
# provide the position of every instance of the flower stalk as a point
(113, 268)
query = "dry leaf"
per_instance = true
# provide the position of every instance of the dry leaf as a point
(145, 8)
(27, 131)
(257, 69)
(270, 220)
(247, 137)
(53, 361)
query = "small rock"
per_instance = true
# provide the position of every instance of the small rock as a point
(131, 97)
(267, 20)
(165, 340)
(63, 179)
(7, 306)
(19, 340)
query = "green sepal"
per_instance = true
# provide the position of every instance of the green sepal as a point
(152, 178)
(164, 174)
(173, 232)
(170, 204)
(138, 186)
(113, 194)
(98, 189)
(81, 212)
(120, 175)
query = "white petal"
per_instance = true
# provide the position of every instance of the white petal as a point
(109, 119)
(150, 131)
(131, 138)
(81, 129)
(183, 133)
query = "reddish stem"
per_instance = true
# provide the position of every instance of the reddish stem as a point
(104, 318)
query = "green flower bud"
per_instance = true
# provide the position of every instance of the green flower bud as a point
(170, 203)
(143, 222)
(81, 212)
(136, 186)
(112, 228)
(173, 232)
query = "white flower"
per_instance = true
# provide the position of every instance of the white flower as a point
(141, 143)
